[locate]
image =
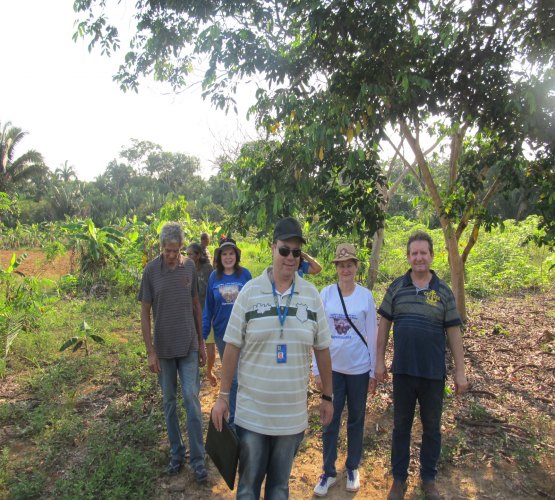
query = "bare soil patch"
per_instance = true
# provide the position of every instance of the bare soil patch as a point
(36, 264)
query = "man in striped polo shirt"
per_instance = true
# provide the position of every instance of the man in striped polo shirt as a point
(277, 319)
(422, 309)
(169, 289)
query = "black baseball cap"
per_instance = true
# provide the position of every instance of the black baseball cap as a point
(288, 228)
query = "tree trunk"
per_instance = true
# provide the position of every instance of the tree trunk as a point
(377, 243)
(456, 266)
(522, 204)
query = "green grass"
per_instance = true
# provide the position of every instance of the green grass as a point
(59, 428)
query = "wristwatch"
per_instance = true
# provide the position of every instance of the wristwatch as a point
(325, 397)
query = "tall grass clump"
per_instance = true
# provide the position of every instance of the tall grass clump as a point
(507, 260)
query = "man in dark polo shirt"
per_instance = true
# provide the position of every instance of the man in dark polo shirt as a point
(169, 288)
(423, 312)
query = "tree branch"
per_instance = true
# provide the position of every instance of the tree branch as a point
(483, 204)
(456, 148)
(409, 166)
(471, 241)
(426, 174)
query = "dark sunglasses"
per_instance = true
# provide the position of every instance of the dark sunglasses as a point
(285, 251)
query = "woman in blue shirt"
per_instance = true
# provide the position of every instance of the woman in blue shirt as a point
(224, 285)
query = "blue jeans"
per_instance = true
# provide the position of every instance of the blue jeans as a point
(429, 394)
(189, 376)
(220, 344)
(354, 389)
(265, 456)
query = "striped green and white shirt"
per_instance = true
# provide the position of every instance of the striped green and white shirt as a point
(272, 395)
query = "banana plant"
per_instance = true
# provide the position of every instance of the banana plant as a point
(82, 339)
(95, 245)
(7, 275)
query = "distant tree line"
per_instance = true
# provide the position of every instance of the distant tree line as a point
(138, 183)
(145, 176)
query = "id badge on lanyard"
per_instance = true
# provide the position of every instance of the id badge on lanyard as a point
(281, 353)
(281, 349)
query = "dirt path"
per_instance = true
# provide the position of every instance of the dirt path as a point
(498, 440)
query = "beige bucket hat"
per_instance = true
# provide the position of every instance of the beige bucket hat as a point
(345, 251)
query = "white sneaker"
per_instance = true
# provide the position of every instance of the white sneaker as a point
(321, 489)
(353, 481)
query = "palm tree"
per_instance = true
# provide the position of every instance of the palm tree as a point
(15, 171)
(65, 198)
(66, 172)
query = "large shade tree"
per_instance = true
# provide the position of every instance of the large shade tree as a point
(16, 170)
(475, 78)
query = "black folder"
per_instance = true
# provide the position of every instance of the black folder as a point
(223, 449)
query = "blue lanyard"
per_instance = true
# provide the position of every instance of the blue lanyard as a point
(282, 311)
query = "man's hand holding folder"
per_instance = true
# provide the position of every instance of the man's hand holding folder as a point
(220, 411)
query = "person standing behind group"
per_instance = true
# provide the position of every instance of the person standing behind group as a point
(224, 284)
(351, 314)
(422, 309)
(277, 319)
(169, 290)
(308, 265)
(204, 242)
(204, 269)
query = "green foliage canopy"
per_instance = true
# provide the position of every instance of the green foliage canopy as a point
(337, 74)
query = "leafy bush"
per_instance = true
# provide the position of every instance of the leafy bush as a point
(503, 260)
(507, 260)
(54, 249)
(21, 304)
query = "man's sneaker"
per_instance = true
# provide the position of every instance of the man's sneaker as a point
(430, 490)
(174, 466)
(201, 474)
(398, 490)
(321, 489)
(353, 481)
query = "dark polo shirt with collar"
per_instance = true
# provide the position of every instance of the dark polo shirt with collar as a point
(171, 292)
(420, 318)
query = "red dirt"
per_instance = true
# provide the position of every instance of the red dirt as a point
(36, 264)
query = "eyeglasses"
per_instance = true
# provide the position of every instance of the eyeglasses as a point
(285, 251)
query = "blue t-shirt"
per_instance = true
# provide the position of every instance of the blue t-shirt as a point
(220, 297)
(303, 268)
(420, 318)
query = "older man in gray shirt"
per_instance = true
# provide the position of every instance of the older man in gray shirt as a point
(169, 289)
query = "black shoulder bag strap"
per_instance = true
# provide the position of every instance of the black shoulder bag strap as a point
(347, 316)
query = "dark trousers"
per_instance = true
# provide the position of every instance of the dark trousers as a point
(265, 457)
(353, 389)
(429, 394)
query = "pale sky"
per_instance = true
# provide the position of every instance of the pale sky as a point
(64, 97)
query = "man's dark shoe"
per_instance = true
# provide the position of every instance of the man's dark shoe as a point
(430, 490)
(201, 474)
(398, 490)
(174, 467)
